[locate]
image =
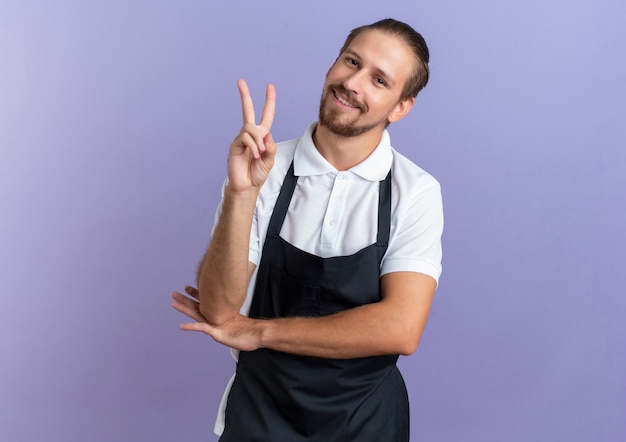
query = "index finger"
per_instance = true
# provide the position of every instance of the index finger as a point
(267, 118)
(247, 108)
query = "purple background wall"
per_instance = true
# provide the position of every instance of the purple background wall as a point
(115, 118)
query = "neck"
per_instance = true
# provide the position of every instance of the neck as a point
(345, 152)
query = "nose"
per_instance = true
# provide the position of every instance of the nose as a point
(354, 82)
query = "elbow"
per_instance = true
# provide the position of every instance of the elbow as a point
(407, 341)
(217, 313)
(214, 311)
(208, 314)
(216, 316)
(408, 348)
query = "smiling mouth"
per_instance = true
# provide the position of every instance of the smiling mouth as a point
(344, 101)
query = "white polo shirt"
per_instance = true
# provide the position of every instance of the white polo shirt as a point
(335, 213)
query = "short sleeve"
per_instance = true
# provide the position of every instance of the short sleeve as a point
(417, 226)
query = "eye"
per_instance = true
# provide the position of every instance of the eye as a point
(351, 61)
(380, 81)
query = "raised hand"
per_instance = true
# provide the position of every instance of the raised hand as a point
(251, 155)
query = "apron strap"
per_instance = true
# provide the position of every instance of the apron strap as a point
(384, 211)
(282, 203)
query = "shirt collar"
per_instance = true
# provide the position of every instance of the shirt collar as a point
(308, 161)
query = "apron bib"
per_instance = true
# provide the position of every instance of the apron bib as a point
(284, 397)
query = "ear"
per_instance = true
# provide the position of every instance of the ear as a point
(401, 108)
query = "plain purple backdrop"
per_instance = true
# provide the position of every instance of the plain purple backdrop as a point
(115, 119)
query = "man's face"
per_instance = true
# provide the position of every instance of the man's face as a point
(363, 87)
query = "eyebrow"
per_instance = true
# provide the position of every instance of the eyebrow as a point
(377, 70)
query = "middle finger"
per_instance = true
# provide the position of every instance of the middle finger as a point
(267, 118)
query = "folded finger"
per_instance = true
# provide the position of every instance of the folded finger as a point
(247, 140)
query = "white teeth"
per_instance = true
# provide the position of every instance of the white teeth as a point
(342, 101)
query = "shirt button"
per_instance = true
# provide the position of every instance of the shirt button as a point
(332, 222)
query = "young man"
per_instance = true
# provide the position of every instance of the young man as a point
(325, 257)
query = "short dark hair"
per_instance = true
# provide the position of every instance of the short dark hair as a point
(413, 39)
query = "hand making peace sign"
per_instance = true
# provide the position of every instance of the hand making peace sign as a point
(252, 153)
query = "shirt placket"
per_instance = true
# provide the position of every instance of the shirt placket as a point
(334, 214)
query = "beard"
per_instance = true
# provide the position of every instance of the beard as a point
(330, 116)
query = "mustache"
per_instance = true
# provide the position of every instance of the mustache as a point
(348, 95)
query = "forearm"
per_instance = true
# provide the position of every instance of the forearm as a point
(392, 326)
(369, 330)
(223, 274)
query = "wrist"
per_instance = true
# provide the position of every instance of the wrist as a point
(241, 196)
(265, 329)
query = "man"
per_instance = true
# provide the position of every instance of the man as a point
(325, 257)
